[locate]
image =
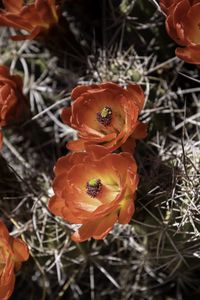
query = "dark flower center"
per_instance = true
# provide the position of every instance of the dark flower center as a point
(93, 187)
(105, 116)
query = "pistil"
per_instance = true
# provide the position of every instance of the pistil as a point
(105, 116)
(93, 187)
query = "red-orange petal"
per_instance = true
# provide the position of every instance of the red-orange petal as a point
(6, 289)
(47, 11)
(80, 89)
(66, 115)
(97, 229)
(189, 54)
(20, 250)
(140, 131)
(65, 163)
(97, 151)
(129, 145)
(166, 5)
(4, 234)
(78, 145)
(105, 226)
(13, 6)
(126, 211)
(137, 94)
(59, 183)
(15, 21)
(56, 205)
(84, 232)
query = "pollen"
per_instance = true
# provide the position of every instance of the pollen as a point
(93, 187)
(105, 116)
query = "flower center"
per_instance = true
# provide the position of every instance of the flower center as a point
(93, 187)
(105, 116)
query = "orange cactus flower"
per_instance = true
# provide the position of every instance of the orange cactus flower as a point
(12, 253)
(13, 104)
(105, 114)
(36, 17)
(183, 26)
(95, 188)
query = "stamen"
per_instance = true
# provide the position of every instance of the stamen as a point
(93, 187)
(105, 116)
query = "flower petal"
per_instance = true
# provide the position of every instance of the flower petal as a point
(13, 6)
(20, 250)
(140, 131)
(97, 229)
(189, 54)
(66, 115)
(7, 287)
(78, 145)
(56, 205)
(126, 211)
(4, 234)
(137, 94)
(65, 163)
(80, 89)
(105, 226)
